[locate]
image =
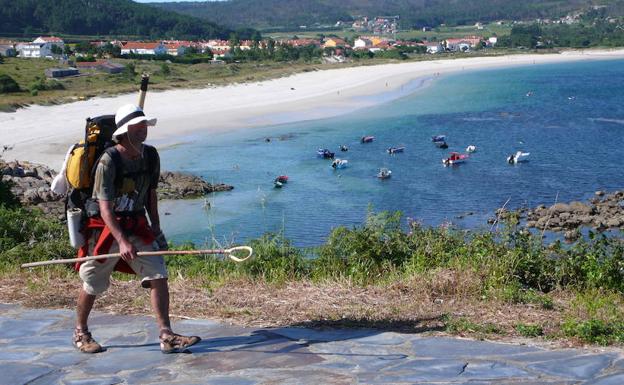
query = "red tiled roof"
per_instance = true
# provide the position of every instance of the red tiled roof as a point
(139, 45)
(51, 39)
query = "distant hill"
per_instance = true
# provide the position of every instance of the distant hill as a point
(101, 17)
(286, 14)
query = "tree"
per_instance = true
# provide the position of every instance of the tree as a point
(8, 84)
(56, 49)
(1, 59)
(164, 69)
(130, 70)
(233, 41)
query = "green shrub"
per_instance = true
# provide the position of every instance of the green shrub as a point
(275, 260)
(527, 330)
(41, 84)
(457, 325)
(595, 331)
(364, 254)
(27, 236)
(7, 199)
(8, 84)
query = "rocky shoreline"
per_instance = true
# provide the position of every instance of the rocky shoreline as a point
(603, 212)
(31, 185)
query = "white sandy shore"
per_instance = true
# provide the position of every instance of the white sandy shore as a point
(42, 134)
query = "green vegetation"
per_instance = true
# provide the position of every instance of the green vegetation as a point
(101, 17)
(526, 330)
(595, 33)
(29, 72)
(7, 84)
(289, 15)
(511, 269)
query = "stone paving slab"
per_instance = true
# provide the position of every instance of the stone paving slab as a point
(35, 349)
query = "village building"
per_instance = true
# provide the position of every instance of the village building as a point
(100, 65)
(61, 72)
(302, 42)
(41, 47)
(334, 42)
(140, 48)
(177, 47)
(434, 47)
(462, 44)
(7, 48)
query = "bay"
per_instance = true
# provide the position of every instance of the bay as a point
(570, 117)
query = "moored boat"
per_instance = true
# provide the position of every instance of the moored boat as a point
(367, 139)
(518, 157)
(471, 148)
(325, 153)
(282, 179)
(384, 173)
(394, 150)
(339, 163)
(455, 158)
(439, 141)
(344, 148)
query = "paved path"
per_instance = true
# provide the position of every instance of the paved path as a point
(35, 349)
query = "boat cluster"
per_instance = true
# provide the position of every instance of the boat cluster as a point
(456, 158)
(338, 163)
(440, 141)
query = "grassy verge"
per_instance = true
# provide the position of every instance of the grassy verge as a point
(380, 274)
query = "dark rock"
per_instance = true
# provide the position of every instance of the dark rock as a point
(571, 235)
(176, 185)
(559, 208)
(599, 193)
(580, 208)
(31, 185)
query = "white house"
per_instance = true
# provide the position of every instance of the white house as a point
(140, 48)
(40, 47)
(434, 47)
(361, 43)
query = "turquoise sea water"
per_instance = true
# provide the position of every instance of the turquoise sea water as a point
(572, 123)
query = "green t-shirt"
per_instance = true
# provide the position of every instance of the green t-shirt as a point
(136, 183)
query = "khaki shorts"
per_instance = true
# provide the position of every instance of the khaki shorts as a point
(95, 275)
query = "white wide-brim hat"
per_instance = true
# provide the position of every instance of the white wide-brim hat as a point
(128, 115)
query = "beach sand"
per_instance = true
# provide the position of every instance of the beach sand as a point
(42, 134)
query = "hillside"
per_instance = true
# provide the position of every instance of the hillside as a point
(286, 14)
(100, 17)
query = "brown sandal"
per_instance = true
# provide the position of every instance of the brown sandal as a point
(176, 343)
(84, 342)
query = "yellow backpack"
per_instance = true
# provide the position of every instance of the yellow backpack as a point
(83, 157)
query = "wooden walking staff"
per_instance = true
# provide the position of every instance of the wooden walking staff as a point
(226, 252)
(143, 92)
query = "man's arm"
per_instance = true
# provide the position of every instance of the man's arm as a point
(152, 211)
(126, 248)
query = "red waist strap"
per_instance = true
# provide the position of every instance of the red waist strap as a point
(136, 225)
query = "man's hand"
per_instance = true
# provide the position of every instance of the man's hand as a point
(127, 250)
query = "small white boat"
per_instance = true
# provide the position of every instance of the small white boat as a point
(470, 149)
(395, 150)
(339, 163)
(384, 173)
(518, 157)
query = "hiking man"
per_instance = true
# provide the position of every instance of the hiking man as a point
(124, 189)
